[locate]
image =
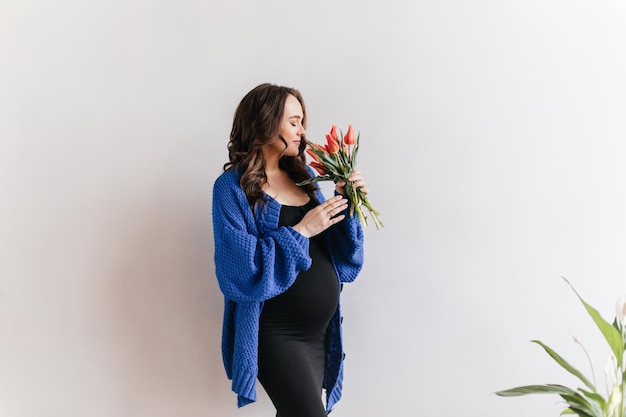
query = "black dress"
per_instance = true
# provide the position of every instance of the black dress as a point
(292, 330)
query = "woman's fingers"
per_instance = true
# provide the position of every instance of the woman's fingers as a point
(322, 217)
(335, 206)
(356, 180)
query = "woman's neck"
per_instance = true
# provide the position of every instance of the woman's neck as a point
(271, 161)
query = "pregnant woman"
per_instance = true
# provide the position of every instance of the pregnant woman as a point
(282, 253)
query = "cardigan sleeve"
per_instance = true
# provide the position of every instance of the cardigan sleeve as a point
(250, 266)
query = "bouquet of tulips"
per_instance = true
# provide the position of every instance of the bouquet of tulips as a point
(334, 162)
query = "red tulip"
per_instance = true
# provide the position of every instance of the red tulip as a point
(312, 154)
(319, 168)
(333, 132)
(332, 146)
(349, 138)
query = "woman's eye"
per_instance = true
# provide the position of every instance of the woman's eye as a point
(293, 124)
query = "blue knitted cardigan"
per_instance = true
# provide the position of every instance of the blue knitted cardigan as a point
(256, 260)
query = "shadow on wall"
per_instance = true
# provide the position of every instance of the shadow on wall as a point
(164, 309)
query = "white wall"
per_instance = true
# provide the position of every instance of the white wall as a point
(493, 141)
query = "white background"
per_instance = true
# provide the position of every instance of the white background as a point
(493, 142)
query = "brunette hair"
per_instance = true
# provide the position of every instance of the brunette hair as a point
(256, 123)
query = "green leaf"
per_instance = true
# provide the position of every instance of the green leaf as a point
(344, 163)
(536, 389)
(581, 405)
(579, 413)
(616, 324)
(610, 333)
(328, 160)
(315, 179)
(572, 412)
(569, 368)
(596, 400)
(355, 150)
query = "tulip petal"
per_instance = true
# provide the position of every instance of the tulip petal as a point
(348, 139)
(333, 132)
(313, 154)
(319, 168)
(332, 146)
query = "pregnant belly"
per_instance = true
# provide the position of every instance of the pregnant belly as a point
(308, 305)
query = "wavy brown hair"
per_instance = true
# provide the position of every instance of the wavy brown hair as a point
(256, 123)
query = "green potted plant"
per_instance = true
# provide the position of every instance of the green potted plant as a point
(588, 401)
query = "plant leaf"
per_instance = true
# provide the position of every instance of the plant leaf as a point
(610, 333)
(536, 389)
(315, 179)
(575, 412)
(596, 401)
(569, 368)
(597, 398)
(355, 150)
(579, 404)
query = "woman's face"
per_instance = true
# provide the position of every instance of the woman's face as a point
(291, 129)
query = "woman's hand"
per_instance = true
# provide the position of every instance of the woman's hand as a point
(357, 182)
(322, 217)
